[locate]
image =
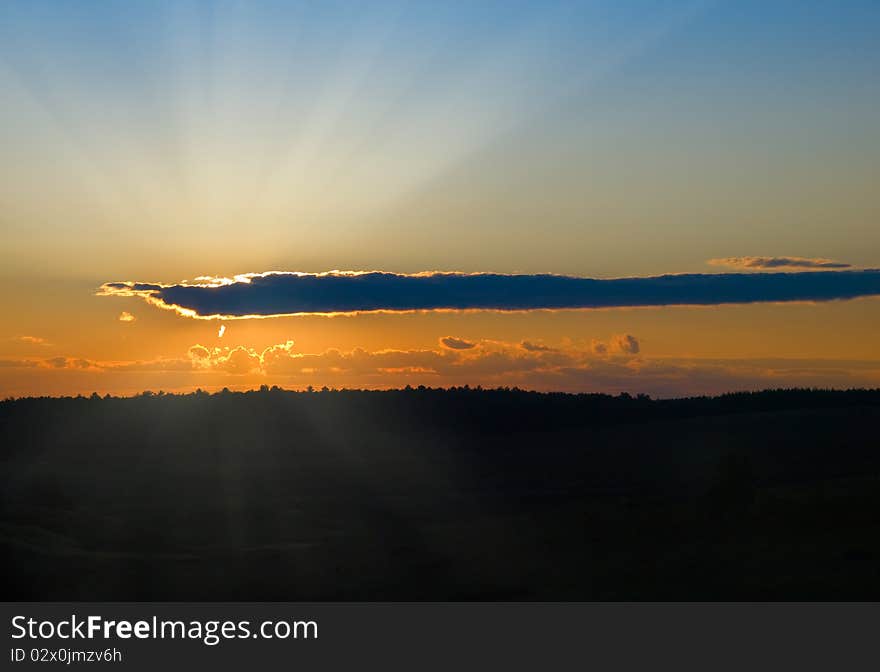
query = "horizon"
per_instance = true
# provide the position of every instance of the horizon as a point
(624, 395)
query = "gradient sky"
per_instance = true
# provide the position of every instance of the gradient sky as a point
(163, 141)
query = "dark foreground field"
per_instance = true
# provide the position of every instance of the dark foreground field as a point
(425, 494)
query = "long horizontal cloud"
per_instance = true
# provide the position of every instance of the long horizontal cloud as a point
(277, 293)
(766, 263)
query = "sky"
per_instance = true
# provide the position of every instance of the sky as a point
(580, 196)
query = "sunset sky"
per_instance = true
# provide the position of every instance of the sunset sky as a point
(159, 157)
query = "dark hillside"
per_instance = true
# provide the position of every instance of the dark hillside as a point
(441, 494)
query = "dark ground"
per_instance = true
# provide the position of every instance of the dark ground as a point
(431, 494)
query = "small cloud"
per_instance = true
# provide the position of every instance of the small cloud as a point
(17, 363)
(221, 331)
(69, 363)
(32, 340)
(626, 344)
(536, 347)
(240, 360)
(199, 353)
(456, 343)
(125, 316)
(765, 263)
(598, 348)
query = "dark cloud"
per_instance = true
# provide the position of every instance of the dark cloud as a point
(765, 263)
(261, 295)
(456, 343)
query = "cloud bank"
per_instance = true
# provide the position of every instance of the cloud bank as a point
(574, 367)
(339, 292)
(765, 263)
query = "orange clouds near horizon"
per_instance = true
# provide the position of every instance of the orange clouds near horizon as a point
(616, 365)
